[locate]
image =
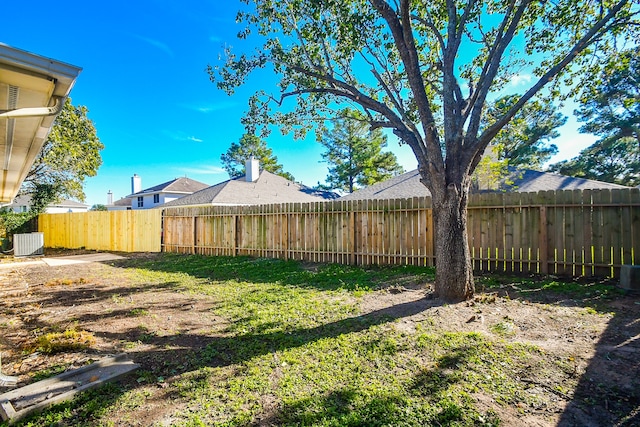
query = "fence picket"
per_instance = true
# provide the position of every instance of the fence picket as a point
(634, 231)
(617, 233)
(590, 232)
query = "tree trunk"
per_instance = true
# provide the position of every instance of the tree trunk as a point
(454, 273)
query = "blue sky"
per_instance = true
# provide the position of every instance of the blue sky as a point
(145, 85)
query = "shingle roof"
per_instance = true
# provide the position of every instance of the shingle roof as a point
(408, 185)
(529, 181)
(268, 188)
(25, 200)
(69, 204)
(122, 202)
(402, 186)
(178, 185)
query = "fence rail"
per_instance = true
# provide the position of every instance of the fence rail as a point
(578, 233)
(363, 232)
(120, 231)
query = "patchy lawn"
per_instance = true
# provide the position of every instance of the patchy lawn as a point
(240, 341)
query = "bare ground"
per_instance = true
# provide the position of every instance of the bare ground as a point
(599, 350)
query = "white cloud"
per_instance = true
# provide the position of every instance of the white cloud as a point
(203, 170)
(156, 43)
(210, 107)
(180, 136)
(520, 79)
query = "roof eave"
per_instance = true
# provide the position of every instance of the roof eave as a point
(22, 67)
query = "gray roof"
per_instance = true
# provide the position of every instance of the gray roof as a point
(178, 185)
(408, 185)
(25, 200)
(122, 202)
(529, 181)
(402, 186)
(268, 188)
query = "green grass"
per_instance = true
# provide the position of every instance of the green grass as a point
(48, 372)
(70, 339)
(138, 312)
(296, 345)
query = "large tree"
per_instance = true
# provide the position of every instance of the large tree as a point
(614, 160)
(610, 108)
(610, 105)
(70, 154)
(425, 70)
(354, 153)
(524, 141)
(235, 158)
(522, 144)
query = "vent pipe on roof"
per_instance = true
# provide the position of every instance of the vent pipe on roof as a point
(252, 168)
(136, 184)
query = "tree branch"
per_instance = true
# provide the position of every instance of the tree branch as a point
(403, 38)
(490, 70)
(590, 37)
(392, 93)
(434, 30)
(342, 89)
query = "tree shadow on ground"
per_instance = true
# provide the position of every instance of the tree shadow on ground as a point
(430, 397)
(608, 393)
(614, 401)
(173, 355)
(285, 272)
(229, 350)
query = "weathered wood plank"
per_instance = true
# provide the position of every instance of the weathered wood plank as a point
(575, 232)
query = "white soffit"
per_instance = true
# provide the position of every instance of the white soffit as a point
(27, 81)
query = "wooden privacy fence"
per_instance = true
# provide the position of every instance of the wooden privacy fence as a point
(590, 232)
(577, 233)
(347, 232)
(121, 231)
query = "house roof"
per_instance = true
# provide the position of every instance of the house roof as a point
(179, 185)
(530, 180)
(122, 202)
(25, 200)
(268, 188)
(408, 185)
(402, 186)
(32, 92)
(66, 203)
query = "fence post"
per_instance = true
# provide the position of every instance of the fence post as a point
(352, 226)
(193, 227)
(544, 250)
(285, 228)
(236, 235)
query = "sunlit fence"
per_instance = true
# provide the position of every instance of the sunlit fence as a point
(120, 231)
(591, 232)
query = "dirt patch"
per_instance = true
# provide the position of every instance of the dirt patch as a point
(599, 350)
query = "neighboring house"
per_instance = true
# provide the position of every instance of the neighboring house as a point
(33, 90)
(123, 204)
(408, 185)
(156, 195)
(22, 203)
(255, 188)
